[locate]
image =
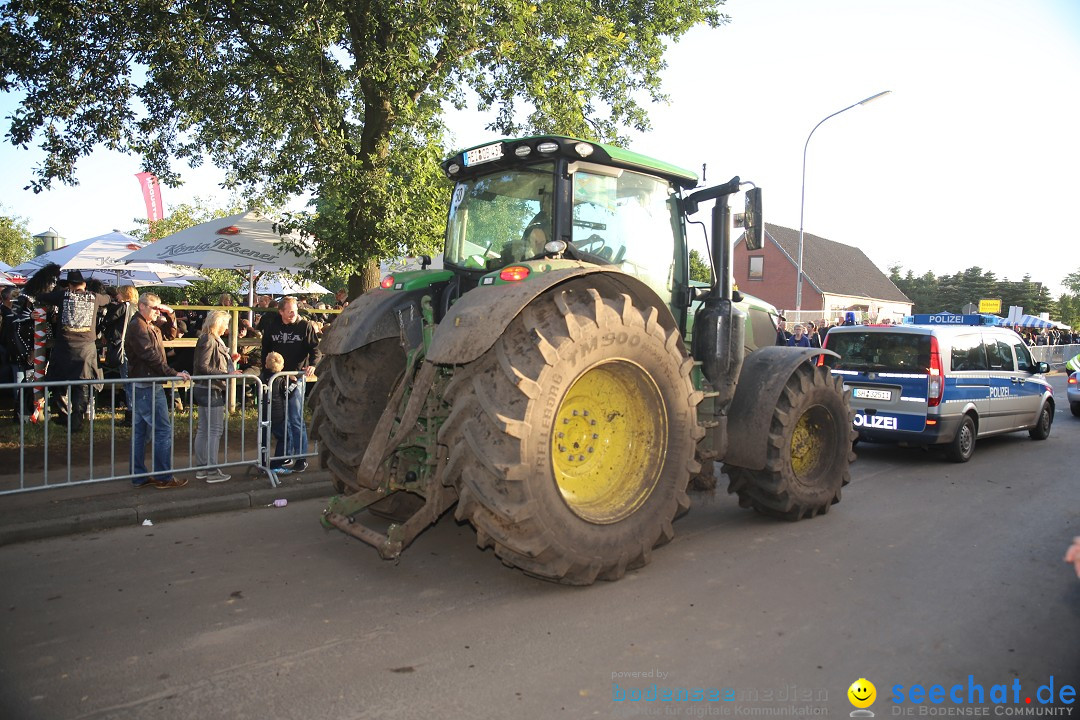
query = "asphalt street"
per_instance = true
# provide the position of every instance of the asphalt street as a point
(926, 573)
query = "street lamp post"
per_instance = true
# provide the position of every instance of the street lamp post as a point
(802, 200)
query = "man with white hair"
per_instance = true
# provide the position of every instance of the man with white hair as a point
(145, 350)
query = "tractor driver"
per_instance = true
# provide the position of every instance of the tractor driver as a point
(534, 237)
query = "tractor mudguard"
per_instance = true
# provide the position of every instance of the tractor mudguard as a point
(480, 316)
(764, 374)
(375, 315)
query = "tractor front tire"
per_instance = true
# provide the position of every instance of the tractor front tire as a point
(572, 439)
(350, 396)
(809, 450)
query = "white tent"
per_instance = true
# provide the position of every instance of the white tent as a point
(278, 284)
(157, 274)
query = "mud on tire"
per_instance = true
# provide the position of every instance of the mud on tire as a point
(352, 392)
(809, 450)
(572, 439)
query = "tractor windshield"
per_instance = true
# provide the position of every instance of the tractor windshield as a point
(630, 220)
(501, 218)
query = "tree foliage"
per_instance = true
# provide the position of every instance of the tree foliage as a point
(700, 269)
(16, 242)
(931, 294)
(342, 100)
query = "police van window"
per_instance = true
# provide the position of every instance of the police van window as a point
(1023, 357)
(999, 355)
(968, 353)
(879, 352)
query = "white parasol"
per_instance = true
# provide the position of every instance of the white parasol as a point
(247, 241)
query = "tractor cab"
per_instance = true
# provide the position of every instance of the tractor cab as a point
(528, 199)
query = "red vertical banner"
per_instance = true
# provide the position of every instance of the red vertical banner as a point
(151, 191)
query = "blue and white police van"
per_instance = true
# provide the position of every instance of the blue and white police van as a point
(941, 380)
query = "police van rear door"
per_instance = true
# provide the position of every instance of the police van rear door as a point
(886, 371)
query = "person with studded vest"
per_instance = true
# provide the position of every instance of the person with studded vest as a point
(74, 355)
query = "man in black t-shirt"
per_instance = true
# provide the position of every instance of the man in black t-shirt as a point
(74, 355)
(298, 343)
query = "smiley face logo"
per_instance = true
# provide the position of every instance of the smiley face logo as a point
(862, 693)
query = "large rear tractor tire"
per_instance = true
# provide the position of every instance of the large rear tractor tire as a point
(347, 401)
(572, 439)
(809, 450)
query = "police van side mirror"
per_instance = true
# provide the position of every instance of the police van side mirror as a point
(1042, 368)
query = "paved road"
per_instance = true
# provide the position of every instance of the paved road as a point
(927, 572)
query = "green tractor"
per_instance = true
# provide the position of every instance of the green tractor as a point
(561, 380)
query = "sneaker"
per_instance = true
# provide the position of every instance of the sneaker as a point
(174, 483)
(200, 474)
(217, 476)
(299, 466)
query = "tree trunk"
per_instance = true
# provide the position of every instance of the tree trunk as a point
(367, 279)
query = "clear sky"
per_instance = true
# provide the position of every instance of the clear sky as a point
(972, 160)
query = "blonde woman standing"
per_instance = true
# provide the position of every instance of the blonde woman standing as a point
(211, 358)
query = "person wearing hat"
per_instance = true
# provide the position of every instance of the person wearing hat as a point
(74, 355)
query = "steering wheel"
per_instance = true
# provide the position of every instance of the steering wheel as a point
(592, 244)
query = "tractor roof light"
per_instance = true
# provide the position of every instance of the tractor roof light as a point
(514, 273)
(453, 168)
(387, 282)
(523, 151)
(547, 147)
(583, 149)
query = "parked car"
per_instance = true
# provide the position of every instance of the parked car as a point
(942, 385)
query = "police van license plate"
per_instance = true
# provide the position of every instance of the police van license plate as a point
(484, 154)
(869, 394)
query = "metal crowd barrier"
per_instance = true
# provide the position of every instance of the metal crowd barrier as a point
(50, 455)
(1054, 355)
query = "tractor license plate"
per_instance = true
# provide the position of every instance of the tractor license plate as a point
(868, 394)
(484, 154)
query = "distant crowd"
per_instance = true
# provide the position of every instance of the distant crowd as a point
(812, 334)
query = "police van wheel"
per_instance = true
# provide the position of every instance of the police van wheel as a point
(1075, 407)
(963, 445)
(1041, 431)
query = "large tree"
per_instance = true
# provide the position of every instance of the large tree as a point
(16, 242)
(342, 100)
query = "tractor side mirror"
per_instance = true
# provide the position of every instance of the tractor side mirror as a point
(753, 224)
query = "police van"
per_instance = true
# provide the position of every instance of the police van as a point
(942, 380)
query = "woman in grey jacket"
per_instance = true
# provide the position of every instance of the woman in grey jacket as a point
(211, 358)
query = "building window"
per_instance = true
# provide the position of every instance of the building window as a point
(757, 267)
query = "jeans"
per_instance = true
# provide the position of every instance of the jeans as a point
(293, 441)
(151, 417)
(208, 436)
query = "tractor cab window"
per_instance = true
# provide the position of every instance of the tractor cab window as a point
(631, 220)
(501, 218)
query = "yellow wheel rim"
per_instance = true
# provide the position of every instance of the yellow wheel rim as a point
(811, 442)
(608, 441)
